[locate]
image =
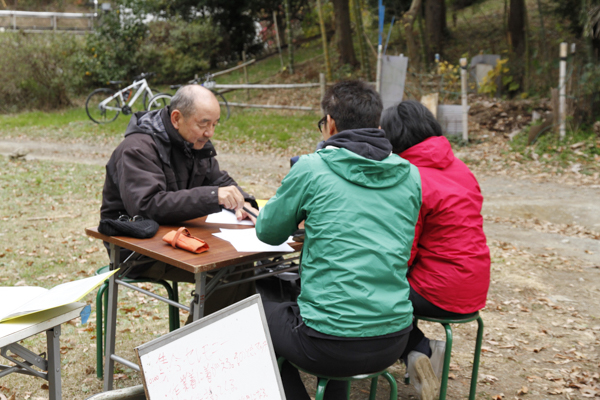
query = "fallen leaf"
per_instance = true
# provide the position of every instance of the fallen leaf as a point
(499, 396)
(487, 378)
(120, 376)
(89, 370)
(45, 386)
(522, 391)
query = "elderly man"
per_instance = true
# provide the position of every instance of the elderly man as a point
(165, 169)
(360, 204)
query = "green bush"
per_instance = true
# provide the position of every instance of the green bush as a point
(124, 46)
(177, 50)
(39, 71)
(111, 52)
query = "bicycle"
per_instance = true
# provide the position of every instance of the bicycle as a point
(104, 105)
(160, 100)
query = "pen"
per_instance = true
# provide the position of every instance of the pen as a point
(245, 209)
(249, 212)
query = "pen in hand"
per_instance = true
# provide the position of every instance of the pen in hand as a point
(250, 212)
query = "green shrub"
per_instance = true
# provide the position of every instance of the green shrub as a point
(39, 71)
(177, 50)
(111, 52)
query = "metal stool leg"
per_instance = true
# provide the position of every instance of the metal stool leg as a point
(393, 385)
(320, 394)
(99, 325)
(475, 372)
(373, 392)
(447, 356)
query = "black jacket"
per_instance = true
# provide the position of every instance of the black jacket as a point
(155, 173)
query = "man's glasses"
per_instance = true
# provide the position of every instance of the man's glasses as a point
(321, 122)
(127, 218)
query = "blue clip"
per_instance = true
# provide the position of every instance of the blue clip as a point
(85, 314)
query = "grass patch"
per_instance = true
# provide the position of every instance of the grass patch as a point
(581, 146)
(44, 208)
(262, 129)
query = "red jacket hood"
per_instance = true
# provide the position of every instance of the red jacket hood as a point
(434, 152)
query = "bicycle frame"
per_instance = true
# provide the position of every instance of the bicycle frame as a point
(142, 86)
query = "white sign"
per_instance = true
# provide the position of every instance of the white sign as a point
(227, 355)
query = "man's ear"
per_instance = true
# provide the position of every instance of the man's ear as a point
(331, 128)
(175, 118)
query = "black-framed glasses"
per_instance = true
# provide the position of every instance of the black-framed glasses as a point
(321, 122)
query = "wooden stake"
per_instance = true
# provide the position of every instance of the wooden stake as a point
(245, 74)
(465, 112)
(288, 24)
(277, 36)
(323, 86)
(324, 38)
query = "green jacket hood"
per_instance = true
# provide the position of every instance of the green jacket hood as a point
(363, 171)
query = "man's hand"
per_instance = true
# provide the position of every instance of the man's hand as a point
(230, 198)
(241, 214)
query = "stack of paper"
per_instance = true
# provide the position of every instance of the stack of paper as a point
(245, 240)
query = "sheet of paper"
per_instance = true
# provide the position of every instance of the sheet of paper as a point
(13, 297)
(60, 295)
(245, 240)
(227, 217)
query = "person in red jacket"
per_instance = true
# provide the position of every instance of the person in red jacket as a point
(449, 268)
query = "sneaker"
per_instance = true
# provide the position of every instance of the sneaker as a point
(422, 376)
(438, 350)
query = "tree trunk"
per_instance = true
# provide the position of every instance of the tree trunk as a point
(343, 32)
(434, 26)
(408, 21)
(516, 27)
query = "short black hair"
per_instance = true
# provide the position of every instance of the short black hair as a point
(352, 105)
(408, 124)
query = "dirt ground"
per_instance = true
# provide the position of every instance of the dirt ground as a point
(542, 319)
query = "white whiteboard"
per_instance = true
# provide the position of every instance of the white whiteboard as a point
(227, 355)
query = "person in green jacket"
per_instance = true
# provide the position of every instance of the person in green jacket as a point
(359, 203)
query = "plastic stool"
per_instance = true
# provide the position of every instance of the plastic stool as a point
(102, 304)
(446, 323)
(323, 380)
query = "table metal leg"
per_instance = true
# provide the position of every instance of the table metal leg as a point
(111, 318)
(54, 381)
(200, 296)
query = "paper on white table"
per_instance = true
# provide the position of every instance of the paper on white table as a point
(44, 299)
(227, 217)
(245, 240)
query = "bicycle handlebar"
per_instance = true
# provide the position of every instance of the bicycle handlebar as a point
(144, 75)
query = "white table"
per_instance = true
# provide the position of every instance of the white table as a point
(48, 321)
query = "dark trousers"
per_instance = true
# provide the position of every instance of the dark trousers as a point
(292, 340)
(417, 340)
(219, 299)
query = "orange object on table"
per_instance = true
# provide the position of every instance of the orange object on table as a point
(182, 239)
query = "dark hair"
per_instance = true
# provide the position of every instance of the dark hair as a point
(352, 105)
(408, 124)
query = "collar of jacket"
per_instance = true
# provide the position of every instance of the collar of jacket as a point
(367, 142)
(177, 140)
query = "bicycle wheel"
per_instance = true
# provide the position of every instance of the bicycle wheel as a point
(101, 114)
(225, 113)
(159, 101)
(146, 99)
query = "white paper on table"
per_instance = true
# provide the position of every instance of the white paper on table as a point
(245, 240)
(28, 300)
(227, 217)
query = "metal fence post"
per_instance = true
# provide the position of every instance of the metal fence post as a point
(562, 90)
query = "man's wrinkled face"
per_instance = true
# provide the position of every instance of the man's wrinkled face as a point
(200, 126)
